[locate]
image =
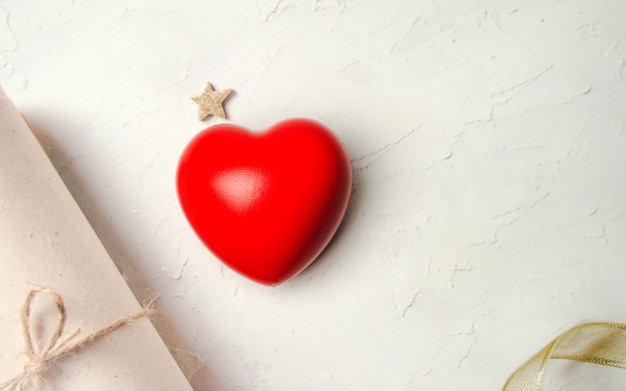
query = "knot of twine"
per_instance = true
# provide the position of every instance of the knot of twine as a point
(59, 344)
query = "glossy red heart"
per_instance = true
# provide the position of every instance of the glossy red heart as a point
(268, 203)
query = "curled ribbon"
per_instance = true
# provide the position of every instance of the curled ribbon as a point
(59, 345)
(597, 343)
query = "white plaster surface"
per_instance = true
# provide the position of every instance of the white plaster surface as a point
(488, 141)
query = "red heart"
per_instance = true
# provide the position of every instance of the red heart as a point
(266, 204)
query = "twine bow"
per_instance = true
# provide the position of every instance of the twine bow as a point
(59, 345)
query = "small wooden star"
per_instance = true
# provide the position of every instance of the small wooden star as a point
(211, 102)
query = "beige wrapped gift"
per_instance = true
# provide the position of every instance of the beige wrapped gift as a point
(46, 240)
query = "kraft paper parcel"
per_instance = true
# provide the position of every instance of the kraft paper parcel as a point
(46, 240)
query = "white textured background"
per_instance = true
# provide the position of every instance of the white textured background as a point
(488, 141)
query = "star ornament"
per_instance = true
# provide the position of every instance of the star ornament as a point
(211, 102)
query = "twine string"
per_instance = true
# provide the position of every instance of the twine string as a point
(59, 345)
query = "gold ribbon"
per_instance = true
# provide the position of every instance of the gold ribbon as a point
(59, 345)
(597, 343)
